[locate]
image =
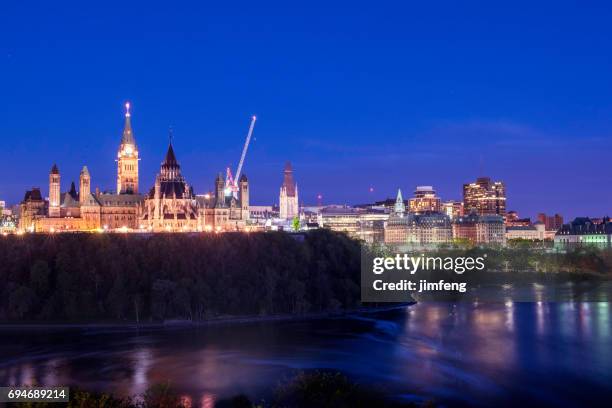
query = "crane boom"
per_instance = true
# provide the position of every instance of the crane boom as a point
(245, 148)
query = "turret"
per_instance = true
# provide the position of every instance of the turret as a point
(400, 207)
(219, 191)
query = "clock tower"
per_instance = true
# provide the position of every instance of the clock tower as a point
(127, 159)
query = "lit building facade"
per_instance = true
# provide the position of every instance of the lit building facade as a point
(453, 209)
(288, 197)
(397, 226)
(423, 229)
(170, 205)
(480, 229)
(486, 197)
(582, 231)
(535, 232)
(551, 222)
(127, 159)
(424, 200)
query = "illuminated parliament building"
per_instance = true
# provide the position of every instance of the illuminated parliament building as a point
(169, 206)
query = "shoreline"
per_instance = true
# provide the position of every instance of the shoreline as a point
(188, 324)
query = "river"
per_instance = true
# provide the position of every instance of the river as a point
(545, 354)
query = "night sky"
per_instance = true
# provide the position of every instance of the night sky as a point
(356, 95)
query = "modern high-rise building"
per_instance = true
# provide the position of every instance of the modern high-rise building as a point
(486, 197)
(288, 198)
(424, 199)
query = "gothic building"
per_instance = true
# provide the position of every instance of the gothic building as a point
(288, 199)
(170, 205)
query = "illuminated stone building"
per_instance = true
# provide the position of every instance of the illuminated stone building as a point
(84, 210)
(430, 229)
(397, 226)
(535, 232)
(480, 229)
(31, 209)
(491, 229)
(288, 198)
(424, 200)
(486, 197)
(170, 205)
(422, 229)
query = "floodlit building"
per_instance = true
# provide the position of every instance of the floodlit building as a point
(397, 226)
(170, 205)
(491, 229)
(288, 197)
(31, 210)
(535, 232)
(423, 229)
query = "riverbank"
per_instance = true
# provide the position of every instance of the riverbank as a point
(180, 324)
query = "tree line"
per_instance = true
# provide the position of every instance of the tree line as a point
(155, 277)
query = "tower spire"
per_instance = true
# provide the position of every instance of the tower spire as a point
(127, 158)
(400, 207)
(128, 135)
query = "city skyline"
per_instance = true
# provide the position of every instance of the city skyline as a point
(372, 195)
(309, 201)
(359, 97)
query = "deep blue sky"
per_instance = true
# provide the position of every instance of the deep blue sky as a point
(382, 94)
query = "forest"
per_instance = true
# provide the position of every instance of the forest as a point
(158, 277)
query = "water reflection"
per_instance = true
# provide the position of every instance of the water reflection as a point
(472, 353)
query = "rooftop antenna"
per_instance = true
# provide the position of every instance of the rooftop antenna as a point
(170, 134)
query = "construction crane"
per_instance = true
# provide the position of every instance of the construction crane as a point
(231, 183)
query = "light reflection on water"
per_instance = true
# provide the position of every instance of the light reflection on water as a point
(470, 353)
